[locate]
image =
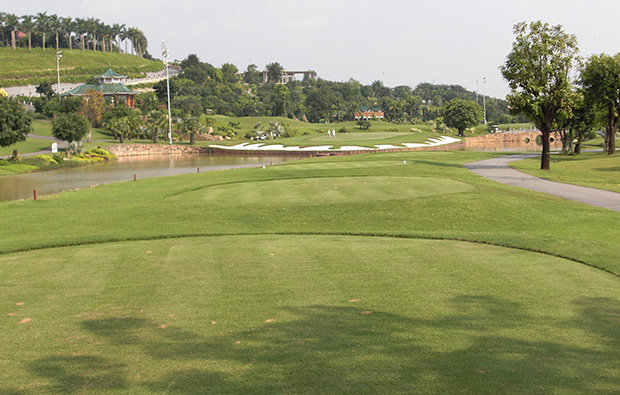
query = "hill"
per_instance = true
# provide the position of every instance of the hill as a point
(21, 66)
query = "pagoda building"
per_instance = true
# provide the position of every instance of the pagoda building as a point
(110, 86)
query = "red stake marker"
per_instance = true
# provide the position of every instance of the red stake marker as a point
(35, 194)
(198, 170)
(134, 177)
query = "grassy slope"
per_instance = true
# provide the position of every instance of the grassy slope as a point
(22, 63)
(289, 302)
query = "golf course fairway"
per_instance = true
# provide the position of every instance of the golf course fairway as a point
(378, 273)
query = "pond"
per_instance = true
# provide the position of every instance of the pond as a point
(21, 186)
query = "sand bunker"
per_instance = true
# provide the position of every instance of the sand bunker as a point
(443, 140)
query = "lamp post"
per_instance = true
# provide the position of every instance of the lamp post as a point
(58, 56)
(164, 54)
(484, 102)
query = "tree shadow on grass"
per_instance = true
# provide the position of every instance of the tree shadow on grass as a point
(76, 374)
(480, 346)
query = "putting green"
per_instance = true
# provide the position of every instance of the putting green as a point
(326, 190)
(309, 314)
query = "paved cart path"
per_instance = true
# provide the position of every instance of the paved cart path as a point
(497, 169)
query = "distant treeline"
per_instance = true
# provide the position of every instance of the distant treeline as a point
(224, 90)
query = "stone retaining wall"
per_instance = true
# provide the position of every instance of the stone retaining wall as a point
(156, 149)
(470, 142)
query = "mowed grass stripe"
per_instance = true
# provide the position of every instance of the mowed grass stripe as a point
(325, 190)
(305, 314)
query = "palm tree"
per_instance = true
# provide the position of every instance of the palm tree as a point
(42, 25)
(80, 29)
(11, 21)
(55, 24)
(92, 29)
(117, 31)
(68, 26)
(124, 36)
(156, 122)
(27, 26)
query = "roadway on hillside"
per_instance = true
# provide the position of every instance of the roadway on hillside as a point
(497, 169)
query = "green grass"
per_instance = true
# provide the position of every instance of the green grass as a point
(357, 274)
(30, 145)
(299, 314)
(589, 169)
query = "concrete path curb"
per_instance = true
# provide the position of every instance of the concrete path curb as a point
(497, 169)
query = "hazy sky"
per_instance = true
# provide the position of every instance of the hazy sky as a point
(397, 42)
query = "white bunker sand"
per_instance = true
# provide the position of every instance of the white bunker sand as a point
(443, 140)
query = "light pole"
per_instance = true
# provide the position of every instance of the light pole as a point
(58, 56)
(484, 102)
(164, 54)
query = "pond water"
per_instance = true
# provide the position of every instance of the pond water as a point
(21, 186)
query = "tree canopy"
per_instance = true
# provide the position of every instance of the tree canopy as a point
(70, 127)
(600, 79)
(15, 123)
(538, 71)
(462, 114)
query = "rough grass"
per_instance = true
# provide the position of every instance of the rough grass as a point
(161, 287)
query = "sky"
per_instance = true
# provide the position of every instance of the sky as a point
(396, 42)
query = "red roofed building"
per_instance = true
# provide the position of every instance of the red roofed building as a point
(368, 112)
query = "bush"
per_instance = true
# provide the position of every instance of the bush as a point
(590, 135)
(343, 130)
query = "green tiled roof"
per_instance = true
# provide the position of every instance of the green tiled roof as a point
(106, 89)
(369, 108)
(109, 74)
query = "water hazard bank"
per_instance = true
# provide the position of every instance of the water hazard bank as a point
(21, 186)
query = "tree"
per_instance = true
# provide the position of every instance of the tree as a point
(157, 123)
(45, 90)
(252, 75)
(462, 114)
(274, 72)
(538, 72)
(190, 61)
(93, 106)
(15, 123)
(582, 121)
(192, 125)
(280, 97)
(70, 127)
(27, 26)
(601, 82)
(42, 25)
(229, 72)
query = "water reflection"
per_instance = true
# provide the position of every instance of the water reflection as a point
(21, 186)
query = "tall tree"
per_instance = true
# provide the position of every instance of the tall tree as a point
(27, 26)
(11, 21)
(538, 72)
(93, 106)
(68, 26)
(42, 25)
(601, 82)
(55, 24)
